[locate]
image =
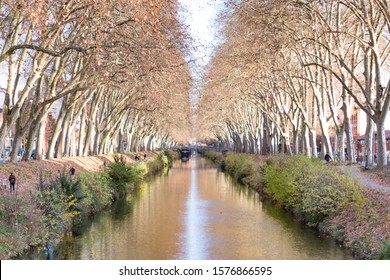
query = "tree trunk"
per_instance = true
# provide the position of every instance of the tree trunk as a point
(368, 154)
(381, 147)
(62, 137)
(350, 143)
(41, 138)
(313, 143)
(81, 133)
(325, 137)
(340, 143)
(307, 140)
(30, 142)
(16, 145)
(57, 130)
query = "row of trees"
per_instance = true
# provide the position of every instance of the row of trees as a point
(115, 69)
(290, 71)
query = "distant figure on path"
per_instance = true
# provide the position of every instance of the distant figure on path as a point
(144, 156)
(104, 165)
(12, 181)
(136, 158)
(327, 157)
(72, 171)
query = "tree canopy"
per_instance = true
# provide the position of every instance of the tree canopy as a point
(290, 74)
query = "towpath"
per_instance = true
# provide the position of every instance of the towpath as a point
(357, 171)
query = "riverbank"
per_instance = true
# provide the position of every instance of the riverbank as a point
(48, 201)
(321, 196)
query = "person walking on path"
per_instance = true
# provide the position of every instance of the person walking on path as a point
(12, 181)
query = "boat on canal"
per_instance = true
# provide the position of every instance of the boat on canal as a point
(185, 154)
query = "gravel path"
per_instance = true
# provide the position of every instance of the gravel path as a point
(356, 172)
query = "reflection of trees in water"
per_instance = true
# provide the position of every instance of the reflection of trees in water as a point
(126, 205)
(241, 189)
(304, 239)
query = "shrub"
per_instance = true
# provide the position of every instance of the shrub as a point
(312, 189)
(213, 156)
(166, 157)
(154, 165)
(120, 176)
(239, 165)
(97, 193)
(56, 217)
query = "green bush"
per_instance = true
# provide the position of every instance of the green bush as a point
(121, 175)
(213, 156)
(155, 165)
(166, 157)
(86, 194)
(239, 166)
(312, 189)
(97, 192)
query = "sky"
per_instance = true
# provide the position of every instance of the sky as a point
(201, 18)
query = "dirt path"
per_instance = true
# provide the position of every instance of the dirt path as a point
(356, 171)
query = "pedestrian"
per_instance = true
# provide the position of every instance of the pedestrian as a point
(72, 172)
(104, 165)
(136, 158)
(327, 157)
(12, 181)
(144, 156)
(3, 183)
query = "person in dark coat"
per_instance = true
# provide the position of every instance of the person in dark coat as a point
(72, 171)
(12, 181)
(327, 157)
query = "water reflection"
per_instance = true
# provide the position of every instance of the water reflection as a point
(195, 241)
(196, 212)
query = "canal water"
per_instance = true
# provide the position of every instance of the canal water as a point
(198, 213)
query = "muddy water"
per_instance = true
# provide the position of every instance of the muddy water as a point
(195, 212)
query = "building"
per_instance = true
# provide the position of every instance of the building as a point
(359, 124)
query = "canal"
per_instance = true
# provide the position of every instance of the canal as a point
(195, 212)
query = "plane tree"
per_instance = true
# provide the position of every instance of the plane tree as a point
(84, 56)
